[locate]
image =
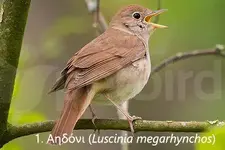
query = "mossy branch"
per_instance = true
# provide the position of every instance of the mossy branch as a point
(108, 124)
(13, 16)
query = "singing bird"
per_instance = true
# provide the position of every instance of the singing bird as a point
(111, 69)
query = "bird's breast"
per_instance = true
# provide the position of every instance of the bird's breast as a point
(128, 82)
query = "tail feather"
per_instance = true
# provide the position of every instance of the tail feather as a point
(75, 104)
(60, 82)
(59, 85)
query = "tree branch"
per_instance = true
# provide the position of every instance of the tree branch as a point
(218, 51)
(93, 7)
(108, 124)
(158, 8)
(12, 24)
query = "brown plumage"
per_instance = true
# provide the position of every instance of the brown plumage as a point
(101, 58)
(99, 66)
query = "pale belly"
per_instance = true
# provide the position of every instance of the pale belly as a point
(126, 83)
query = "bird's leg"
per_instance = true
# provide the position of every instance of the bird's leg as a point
(94, 117)
(130, 119)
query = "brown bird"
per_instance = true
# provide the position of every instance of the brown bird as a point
(111, 69)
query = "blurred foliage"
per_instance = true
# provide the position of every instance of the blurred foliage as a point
(16, 86)
(15, 117)
(12, 146)
(24, 59)
(62, 28)
(23, 118)
(219, 134)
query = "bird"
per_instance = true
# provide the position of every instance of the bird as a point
(111, 69)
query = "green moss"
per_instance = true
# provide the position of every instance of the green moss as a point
(12, 24)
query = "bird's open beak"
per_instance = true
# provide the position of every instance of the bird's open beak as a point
(153, 14)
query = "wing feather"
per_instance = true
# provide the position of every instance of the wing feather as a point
(105, 55)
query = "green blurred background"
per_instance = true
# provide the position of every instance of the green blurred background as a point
(56, 29)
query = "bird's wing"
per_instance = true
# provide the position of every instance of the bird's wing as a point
(102, 57)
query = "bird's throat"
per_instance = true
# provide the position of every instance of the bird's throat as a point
(123, 30)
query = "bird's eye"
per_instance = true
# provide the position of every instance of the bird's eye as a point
(136, 15)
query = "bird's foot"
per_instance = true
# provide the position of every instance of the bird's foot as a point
(131, 120)
(93, 122)
(94, 117)
(134, 118)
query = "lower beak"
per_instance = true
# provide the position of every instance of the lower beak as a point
(153, 14)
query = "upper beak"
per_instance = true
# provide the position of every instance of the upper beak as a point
(153, 14)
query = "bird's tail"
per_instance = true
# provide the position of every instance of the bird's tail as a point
(75, 104)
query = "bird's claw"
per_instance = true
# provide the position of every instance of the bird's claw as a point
(94, 117)
(131, 119)
(134, 118)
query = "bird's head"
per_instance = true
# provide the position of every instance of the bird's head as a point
(136, 19)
